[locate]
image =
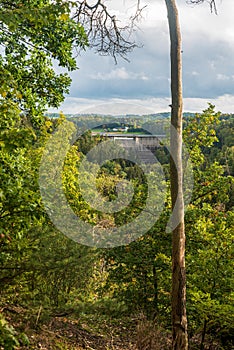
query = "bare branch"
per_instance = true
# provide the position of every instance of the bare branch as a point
(212, 4)
(104, 30)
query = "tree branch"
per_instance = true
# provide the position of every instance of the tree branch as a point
(103, 29)
(212, 4)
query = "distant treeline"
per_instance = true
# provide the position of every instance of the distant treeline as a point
(127, 117)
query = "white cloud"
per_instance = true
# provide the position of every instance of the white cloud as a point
(223, 77)
(116, 106)
(224, 104)
(119, 74)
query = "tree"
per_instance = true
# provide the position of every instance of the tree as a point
(86, 12)
(33, 33)
(209, 229)
(179, 318)
(37, 262)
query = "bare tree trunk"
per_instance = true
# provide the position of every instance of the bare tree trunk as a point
(179, 319)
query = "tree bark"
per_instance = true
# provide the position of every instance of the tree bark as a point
(179, 318)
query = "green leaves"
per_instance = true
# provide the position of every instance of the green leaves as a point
(33, 33)
(199, 133)
(8, 336)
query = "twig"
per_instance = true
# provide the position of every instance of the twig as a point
(38, 315)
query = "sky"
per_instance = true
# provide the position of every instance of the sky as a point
(142, 85)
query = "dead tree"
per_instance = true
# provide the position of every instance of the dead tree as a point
(178, 294)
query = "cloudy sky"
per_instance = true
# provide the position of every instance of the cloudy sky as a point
(143, 84)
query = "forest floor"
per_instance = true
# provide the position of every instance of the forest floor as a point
(69, 332)
(52, 330)
(64, 333)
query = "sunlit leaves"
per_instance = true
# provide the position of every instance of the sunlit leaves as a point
(33, 33)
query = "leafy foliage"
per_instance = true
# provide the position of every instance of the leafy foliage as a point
(8, 337)
(32, 34)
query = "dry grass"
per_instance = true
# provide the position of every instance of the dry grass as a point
(151, 337)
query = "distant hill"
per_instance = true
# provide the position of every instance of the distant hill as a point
(129, 117)
(162, 115)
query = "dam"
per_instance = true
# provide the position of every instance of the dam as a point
(152, 142)
(142, 143)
